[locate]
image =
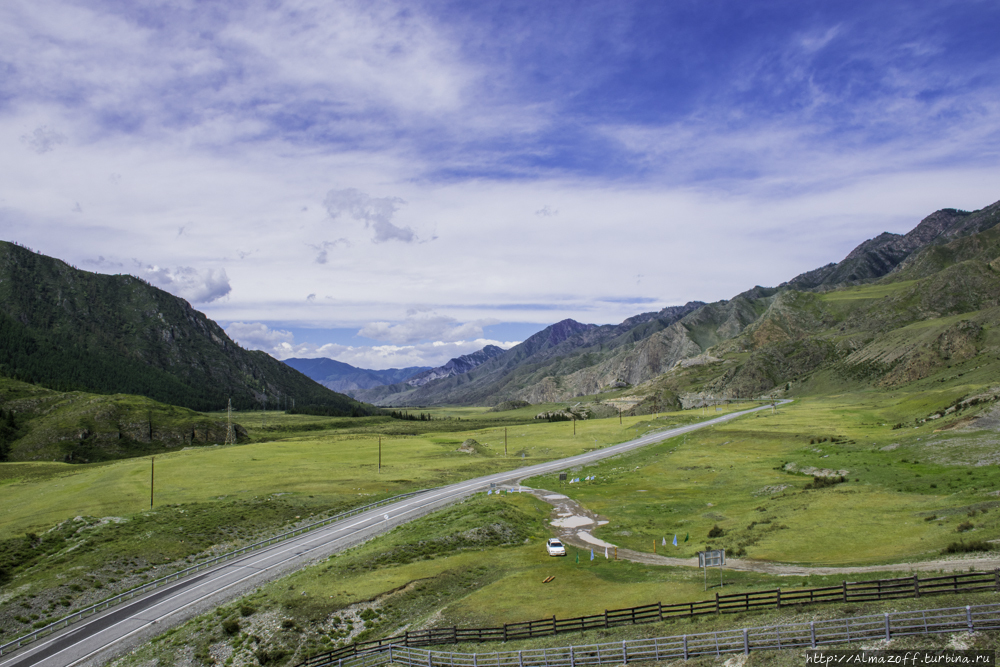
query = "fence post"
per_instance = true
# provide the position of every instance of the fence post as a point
(779, 599)
(888, 634)
(916, 586)
(685, 647)
(454, 635)
(572, 659)
(605, 618)
(659, 609)
(746, 642)
(968, 617)
(505, 632)
(390, 652)
(845, 591)
(624, 654)
(996, 579)
(520, 661)
(812, 633)
(555, 631)
(717, 604)
(429, 664)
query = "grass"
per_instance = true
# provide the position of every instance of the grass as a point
(60, 521)
(467, 566)
(749, 477)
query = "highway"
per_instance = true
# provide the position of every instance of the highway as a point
(113, 632)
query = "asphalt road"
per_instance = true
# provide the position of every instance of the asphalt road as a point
(113, 632)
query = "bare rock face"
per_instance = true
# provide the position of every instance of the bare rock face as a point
(456, 366)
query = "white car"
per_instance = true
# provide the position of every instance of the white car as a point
(555, 547)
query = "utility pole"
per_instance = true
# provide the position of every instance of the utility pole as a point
(619, 415)
(380, 453)
(152, 469)
(230, 433)
(574, 425)
(505, 442)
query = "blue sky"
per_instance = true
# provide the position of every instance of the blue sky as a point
(394, 184)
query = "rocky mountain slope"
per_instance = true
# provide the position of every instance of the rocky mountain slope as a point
(75, 330)
(946, 265)
(345, 378)
(557, 350)
(456, 366)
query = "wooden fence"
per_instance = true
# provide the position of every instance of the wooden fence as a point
(859, 591)
(795, 635)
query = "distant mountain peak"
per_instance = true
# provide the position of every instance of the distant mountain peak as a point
(456, 366)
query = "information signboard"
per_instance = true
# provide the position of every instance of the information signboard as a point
(714, 558)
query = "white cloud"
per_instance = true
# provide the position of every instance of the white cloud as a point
(258, 336)
(281, 345)
(189, 283)
(43, 139)
(425, 325)
(376, 212)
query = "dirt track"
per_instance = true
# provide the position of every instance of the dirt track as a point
(574, 523)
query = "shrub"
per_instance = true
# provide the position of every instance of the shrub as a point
(962, 547)
(716, 532)
(231, 626)
(824, 482)
(247, 610)
(964, 526)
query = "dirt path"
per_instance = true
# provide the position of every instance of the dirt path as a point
(574, 523)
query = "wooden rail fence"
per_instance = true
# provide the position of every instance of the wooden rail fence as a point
(795, 635)
(857, 591)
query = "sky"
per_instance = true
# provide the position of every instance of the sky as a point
(396, 184)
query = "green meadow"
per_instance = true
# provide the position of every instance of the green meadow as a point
(318, 468)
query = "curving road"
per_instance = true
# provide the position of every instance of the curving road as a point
(103, 636)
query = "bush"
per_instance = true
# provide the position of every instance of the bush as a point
(962, 547)
(964, 526)
(247, 610)
(231, 626)
(824, 482)
(716, 531)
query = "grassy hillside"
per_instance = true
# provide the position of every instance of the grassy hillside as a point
(77, 427)
(75, 330)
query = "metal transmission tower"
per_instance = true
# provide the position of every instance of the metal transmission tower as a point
(230, 433)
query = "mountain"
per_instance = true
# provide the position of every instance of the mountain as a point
(456, 366)
(338, 376)
(781, 332)
(559, 349)
(883, 254)
(75, 330)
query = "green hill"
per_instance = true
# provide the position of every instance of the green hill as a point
(38, 424)
(74, 330)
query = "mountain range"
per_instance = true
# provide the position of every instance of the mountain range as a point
(338, 376)
(74, 330)
(948, 264)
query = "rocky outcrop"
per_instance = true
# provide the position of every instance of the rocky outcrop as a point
(456, 366)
